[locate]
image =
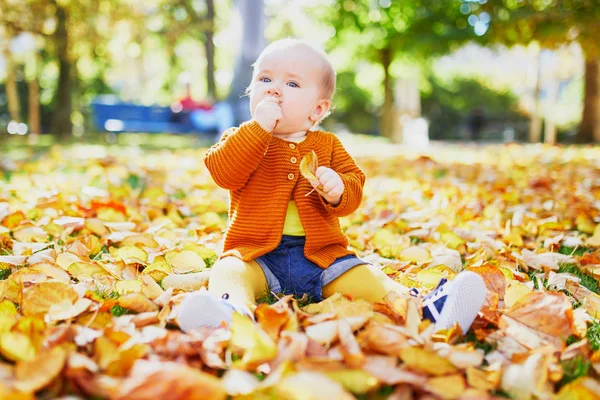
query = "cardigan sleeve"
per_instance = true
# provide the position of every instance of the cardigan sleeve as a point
(352, 177)
(236, 156)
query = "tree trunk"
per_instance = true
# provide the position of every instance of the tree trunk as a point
(209, 46)
(253, 20)
(589, 130)
(549, 124)
(34, 98)
(12, 93)
(535, 125)
(62, 106)
(387, 115)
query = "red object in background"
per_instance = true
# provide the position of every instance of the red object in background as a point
(189, 104)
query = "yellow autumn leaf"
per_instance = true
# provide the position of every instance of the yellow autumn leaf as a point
(139, 240)
(256, 345)
(121, 365)
(32, 375)
(451, 239)
(584, 224)
(136, 302)
(514, 292)
(96, 226)
(514, 238)
(81, 270)
(308, 168)
(594, 240)
(65, 259)
(38, 299)
(128, 286)
(158, 269)
(447, 387)
(425, 361)
(16, 346)
(130, 254)
(354, 380)
(415, 254)
(150, 288)
(584, 388)
(8, 315)
(52, 271)
(185, 261)
(67, 310)
(387, 243)
(310, 386)
(430, 277)
(169, 380)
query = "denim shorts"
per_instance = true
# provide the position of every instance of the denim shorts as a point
(288, 271)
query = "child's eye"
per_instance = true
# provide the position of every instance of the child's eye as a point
(293, 84)
(264, 79)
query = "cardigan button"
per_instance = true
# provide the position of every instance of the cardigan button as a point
(292, 146)
(293, 160)
(290, 176)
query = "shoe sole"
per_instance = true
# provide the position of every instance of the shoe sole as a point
(467, 296)
(202, 309)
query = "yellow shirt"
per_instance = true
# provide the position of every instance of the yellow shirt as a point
(293, 225)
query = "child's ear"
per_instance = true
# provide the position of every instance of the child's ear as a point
(320, 110)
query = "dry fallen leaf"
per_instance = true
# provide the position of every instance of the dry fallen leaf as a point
(168, 380)
(38, 299)
(549, 313)
(121, 235)
(425, 361)
(256, 345)
(308, 169)
(310, 386)
(32, 375)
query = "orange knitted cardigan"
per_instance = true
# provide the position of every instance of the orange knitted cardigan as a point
(262, 174)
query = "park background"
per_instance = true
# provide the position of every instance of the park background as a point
(524, 70)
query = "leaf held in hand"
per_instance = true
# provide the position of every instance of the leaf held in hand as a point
(308, 169)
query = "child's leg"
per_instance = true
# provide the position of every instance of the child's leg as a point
(364, 281)
(243, 282)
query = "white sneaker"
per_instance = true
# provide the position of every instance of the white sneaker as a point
(455, 301)
(204, 309)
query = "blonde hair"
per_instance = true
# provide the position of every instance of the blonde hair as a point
(328, 78)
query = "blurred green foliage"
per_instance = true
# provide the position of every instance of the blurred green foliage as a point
(448, 105)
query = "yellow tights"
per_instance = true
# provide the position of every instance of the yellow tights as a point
(244, 282)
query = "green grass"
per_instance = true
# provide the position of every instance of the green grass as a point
(106, 294)
(501, 393)
(479, 344)
(574, 251)
(270, 298)
(586, 280)
(117, 311)
(5, 273)
(98, 256)
(593, 335)
(574, 368)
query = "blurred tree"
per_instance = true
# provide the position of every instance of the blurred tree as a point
(12, 94)
(552, 23)
(253, 41)
(447, 103)
(381, 31)
(76, 36)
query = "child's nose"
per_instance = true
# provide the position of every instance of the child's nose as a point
(273, 91)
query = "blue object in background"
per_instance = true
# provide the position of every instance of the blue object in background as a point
(113, 115)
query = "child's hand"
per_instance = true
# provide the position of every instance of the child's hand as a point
(333, 187)
(268, 112)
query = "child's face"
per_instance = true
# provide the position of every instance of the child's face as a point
(294, 76)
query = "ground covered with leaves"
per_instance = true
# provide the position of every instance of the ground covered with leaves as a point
(98, 247)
